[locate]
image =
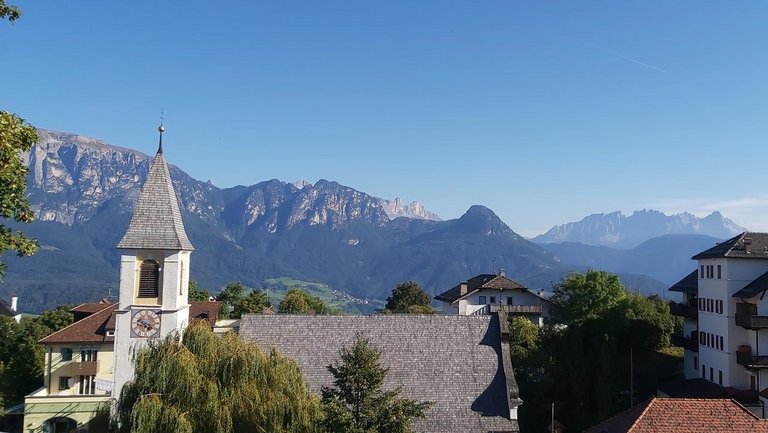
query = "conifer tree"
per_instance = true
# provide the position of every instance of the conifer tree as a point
(357, 403)
(214, 384)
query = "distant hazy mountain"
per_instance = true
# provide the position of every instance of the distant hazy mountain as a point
(83, 191)
(620, 231)
(396, 208)
(665, 258)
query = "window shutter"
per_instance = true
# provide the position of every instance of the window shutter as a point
(149, 279)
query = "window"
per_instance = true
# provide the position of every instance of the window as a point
(711, 374)
(510, 300)
(482, 300)
(66, 354)
(149, 279)
(64, 382)
(110, 333)
(719, 306)
(719, 271)
(721, 343)
(493, 299)
(702, 336)
(720, 377)
(88, 355)
(695, 362)
(703, 371)
(752, 383)
(701, 272)
(87, 385)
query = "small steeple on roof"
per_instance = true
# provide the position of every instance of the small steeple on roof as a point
(156, 223)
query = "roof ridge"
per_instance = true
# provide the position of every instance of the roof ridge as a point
(90, 317)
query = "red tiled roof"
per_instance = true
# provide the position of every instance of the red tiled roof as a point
(684, 415)
(91, 329)
(205, 310)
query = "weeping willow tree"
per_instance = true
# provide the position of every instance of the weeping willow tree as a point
(214, 384)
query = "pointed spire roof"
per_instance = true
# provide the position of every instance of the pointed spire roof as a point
(156, 223)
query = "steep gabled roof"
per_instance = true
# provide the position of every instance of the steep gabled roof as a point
(689, 283)
(92, 329)
(156, 221)
(483, 281)
(748, 245)
(458, 362)
(684, 415)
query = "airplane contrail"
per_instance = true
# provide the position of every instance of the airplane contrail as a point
(635, 61)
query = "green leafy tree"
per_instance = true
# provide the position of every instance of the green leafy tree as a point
(205, 383)
(357, 403)
(297, 301)
(409, 297)
(9, 12)
(16, 136)
(196, 293)
(581, 297)
(255, 302)
(232, 295)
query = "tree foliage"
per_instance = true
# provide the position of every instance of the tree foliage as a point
(236, 302)
(206, 383)
(21, 356)
(9, 12)
(409, 297)
(584, 365)
(357, 403)
(297, 301)
(197, 294)
(16, 136)
(580, 297)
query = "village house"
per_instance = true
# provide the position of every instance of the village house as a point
(725, 308)
(489, 293)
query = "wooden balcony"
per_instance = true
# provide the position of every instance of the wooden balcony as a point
(688, 343)
(84, 368)
(745, 358)
(746, 317)
(688, 310)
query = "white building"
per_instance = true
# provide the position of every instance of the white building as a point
(725, 310)
(154, 270)
(11, 310)
(489, 293)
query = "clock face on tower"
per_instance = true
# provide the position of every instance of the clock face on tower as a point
(144, 323)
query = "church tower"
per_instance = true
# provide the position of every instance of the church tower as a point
(154, 270)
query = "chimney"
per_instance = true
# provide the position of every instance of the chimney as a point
(502, 273)
(15, 303)
(463, 289)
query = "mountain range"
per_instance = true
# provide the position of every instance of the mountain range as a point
(619, 231)
(83, 191)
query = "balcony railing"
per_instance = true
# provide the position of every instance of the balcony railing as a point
(745, 358)
(689, 343)
(684, 310)
(84, 368)
(750, 321)
(509, 309)
(517, 309)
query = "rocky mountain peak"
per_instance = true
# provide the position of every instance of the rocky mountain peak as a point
(396, 209)
(481, 220)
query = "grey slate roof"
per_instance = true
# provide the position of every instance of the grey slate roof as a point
(748, 245)
(458, 362)
(483, 281)
(689, 283)
(156, 221)
(756, 287)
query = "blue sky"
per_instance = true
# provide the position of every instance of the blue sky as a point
(544, 111)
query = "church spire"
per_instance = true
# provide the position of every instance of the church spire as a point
(156, 221)
(160, 129)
